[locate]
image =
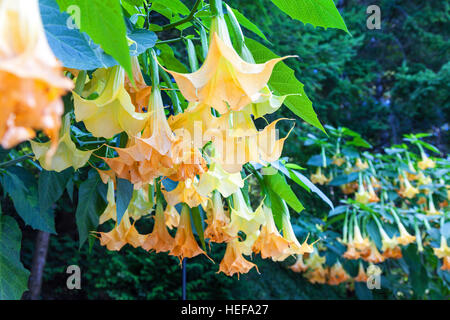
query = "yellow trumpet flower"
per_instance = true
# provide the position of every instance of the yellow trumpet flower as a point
(337, 275)
(225, 81)
(233, 261)
(66, 155)
(319, 177)
(443, 252)
(172, 217)
(218, 179)
(217, 220)
(112, 112)
(185, 192)
(362, 196)
(390, 246)
(361, 165)
(426, 163)
(159, 240)
(362, 276)
(185, 245)
(374, 255)
(31, 78)
(299, 265)
(270, 243)
(294, 246)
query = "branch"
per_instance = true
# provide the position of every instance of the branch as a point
(188, 18)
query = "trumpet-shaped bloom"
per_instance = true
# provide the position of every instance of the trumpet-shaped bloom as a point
(372, 195)
(233, 261)
(159, 240)
(270, 243)
(187, 161)
(405, 238)
(351, 253)
(246, 220)
(185, 245)
(31, 78)
(225, 81)
(294, 246)
(390, 246)
(185, 192)
(443, 252)
(426, 163)
(339, 161)
(337, 274)
(362, 276)
(423, 180)
(140, 92)
(122, 234)
(217, 220)
(267, 103)
(319, 177)
(408, 191)
(349, 188)
(112, 112)
(172, 217)
(110, 210)
(361, 165)
(299, 265)
(360, 243)
(374, 256)
(317, 275)
(362, 196)
(66, 155)
(218, 179)
(140, 204)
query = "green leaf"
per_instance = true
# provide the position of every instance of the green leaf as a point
(103, 21)
(23, 190)
(248, 24)
(198, 224)
(344, 179)
(277, 183)
(167, 58)
(88, 209)
(124, 193)
(284, 82)
(279, 208)
(51, 186)
(13, 275)
(176, 6)
(418, 276)
(319, 13)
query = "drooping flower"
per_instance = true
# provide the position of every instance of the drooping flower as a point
(270, 243)
(351, 253)
(362, 196)
(349, 188)
(372, 195)
(408, 191)
(339, 161)
(185, 192)
(66, 155)
(139, 92)
(299, 265)
(112, 112)
(431, 208)
(140, 204)
(216, 220)
(294, 245)
(31, 78)
(374, 255)
(267, 103)
(218, 179)
(187, 161)
(423, 180)
(225, 81)
(361, 165)
(172, 217)
(390, 246)
(319, 177)
(233, 261)
(317, 275)
(361, 244)
(362, 276)
(443, 252)
(337, 274)
(426, 162)
(185, 245)
(405, 238)
(244, 219)
(159, 240)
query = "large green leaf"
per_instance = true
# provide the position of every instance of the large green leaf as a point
(277, 183)
(319, 13)
(51, 186)
(23, 190)
(103, 21)
(89, 206)
(198, 224)
(124, 193)
(284, 82)
(13, 275)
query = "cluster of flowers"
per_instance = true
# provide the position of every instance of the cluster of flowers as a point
(393, 190)
(225, 95)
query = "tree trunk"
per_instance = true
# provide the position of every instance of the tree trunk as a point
(37, 268)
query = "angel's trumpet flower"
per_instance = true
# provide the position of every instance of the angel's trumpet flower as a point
(319, 177)
(431, 208)
(405, 238)
(362, 196)
(270, 243)
(66, 155)
(362, 276)
(443, 252)
(233, 261)
(374, 256)
(110, 211)
(423, 180)
(31, 78)
(112, 112)
(185, 192)
(426, 162)
(246, 220)
(185, 245)
(351, 253)
(139, 92)
(372, 195)
(140, 204)
(172, 217)
(339, 161)
(225, 81)
(361, 165)
(408, 191)
(218, 179)
(159, 240)
(390, 246)
(267, 103)
(217, 220)
(337, 274)
(318, 275)
(294, 245)
(299, 265)
(361, 244)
